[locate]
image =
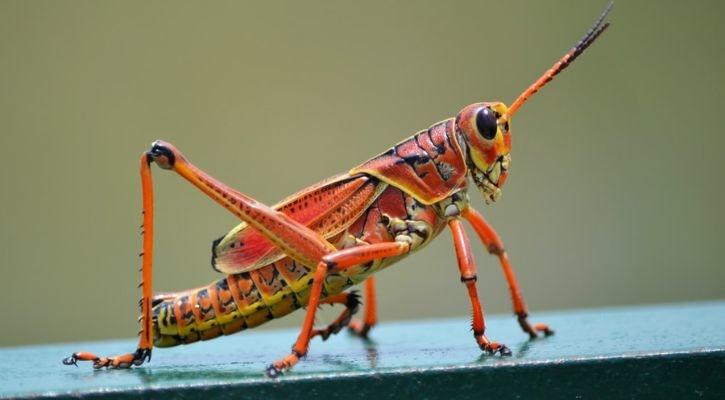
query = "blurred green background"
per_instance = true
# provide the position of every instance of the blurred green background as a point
(616, 194)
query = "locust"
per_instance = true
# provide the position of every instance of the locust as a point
(312, 247)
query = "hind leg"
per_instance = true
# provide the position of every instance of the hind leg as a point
(145, 344)
(120, 361)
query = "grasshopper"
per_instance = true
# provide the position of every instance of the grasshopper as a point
(312, 246)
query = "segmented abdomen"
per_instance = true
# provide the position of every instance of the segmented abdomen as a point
(231, 304)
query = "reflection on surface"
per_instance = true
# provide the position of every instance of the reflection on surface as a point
(371, 349)
(152, 376)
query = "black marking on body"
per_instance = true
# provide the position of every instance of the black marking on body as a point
(446, 135)
(295, 268)
(188, 315)
(445, 171)
(276, 275)
(405, 204)
(207, 313)
(171, 315)
(443, 174)
(157, 313)
(272, 279)
(296, 301)
(432, 154)
(223, 286)
(256, 295)
(414, 159)
(253, 295)
(440, 147)
(214, 245)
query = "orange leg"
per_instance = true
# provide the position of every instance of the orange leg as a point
(351, 301)
(146, 340)
(467, 267)
(297, 241)
(336, 260)
(493, 244)
(370, 316)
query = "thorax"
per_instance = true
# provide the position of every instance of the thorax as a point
(394, 213)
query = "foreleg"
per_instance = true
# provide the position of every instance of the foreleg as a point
(467, 268)
(493, 244)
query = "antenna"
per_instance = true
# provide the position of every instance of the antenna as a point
(591, 35)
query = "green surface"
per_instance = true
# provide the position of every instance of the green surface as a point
(674, 350)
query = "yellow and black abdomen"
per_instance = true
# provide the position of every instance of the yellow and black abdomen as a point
(231, 304)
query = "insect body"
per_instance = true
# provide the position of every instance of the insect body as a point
(349, 210)
(311, 247)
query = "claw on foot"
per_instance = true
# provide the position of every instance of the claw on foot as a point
(533, 331)
(539, 327)
(332, 329)
(122, 361)
(277, 368)
(504, 351)
(322, 333)
(273, 372)
(357, 328)
(495, 347)
(72, 360)
(79, 356)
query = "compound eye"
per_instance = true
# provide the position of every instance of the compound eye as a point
(486, 123)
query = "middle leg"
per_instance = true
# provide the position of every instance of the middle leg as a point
(351, 301)
(370, 315)
(340, 259)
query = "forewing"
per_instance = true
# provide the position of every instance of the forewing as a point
(328, 208)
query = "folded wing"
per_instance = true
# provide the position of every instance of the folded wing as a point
(328, 208)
